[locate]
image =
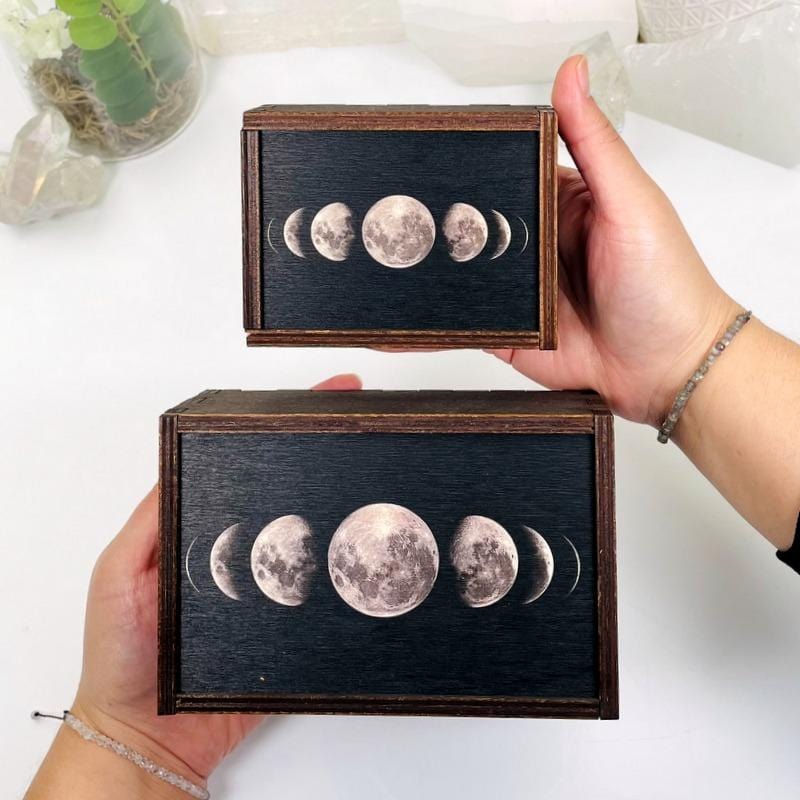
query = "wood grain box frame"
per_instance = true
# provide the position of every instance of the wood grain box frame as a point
(258, 121)
(553, 415)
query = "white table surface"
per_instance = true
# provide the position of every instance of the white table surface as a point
(110, 316)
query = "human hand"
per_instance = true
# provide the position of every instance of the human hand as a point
(637, 308)
(117, 692)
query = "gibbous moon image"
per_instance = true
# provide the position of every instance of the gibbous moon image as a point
(485, 559)
(332, 231)
(291, 232)
(188, 572)
(383, 560)
(221, 562)
(543, 565)
(398, 231)
(282, 560)
(525, 228)
(465, 231)
(577, 565)
(503, 234)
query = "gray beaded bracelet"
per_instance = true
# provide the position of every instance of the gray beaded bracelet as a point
(671, 420)
(162, 773)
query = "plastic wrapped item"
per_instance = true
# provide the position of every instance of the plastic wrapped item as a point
(512, 41)
(124, 73)
(224, 27)
(608, 78)
(38, 180)
(667, 20)
(736, 84)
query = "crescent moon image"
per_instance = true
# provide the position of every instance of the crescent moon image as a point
(221, 562)
(291, 231)
(465, 231)
(332, 231)
(577, 565)
(525, 243)
(398, 231)
(383, 560)
(269, 238)
(282, 560)
(485, 559)
(543, 565)
(503, 234)
(188, 573)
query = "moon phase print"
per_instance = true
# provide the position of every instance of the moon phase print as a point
(399, 230)
(387, 564)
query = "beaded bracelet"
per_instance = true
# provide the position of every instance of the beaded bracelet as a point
(671, 420)
(162, 773)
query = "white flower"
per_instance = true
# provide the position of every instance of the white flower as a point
(32, 34)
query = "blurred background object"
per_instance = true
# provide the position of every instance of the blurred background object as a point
(224, 27)
(124, 73)
(667, 20)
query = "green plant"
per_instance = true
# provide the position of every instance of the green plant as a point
(130, 49)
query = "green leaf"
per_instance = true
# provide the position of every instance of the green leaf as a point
(134, 108)
(121, 89)
(106, 63)
(161, 43)
(128, 7)
(80, 8)
(173, 68)
(92, 33)
(148, 18)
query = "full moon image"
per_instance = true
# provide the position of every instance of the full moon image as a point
(465, 231)
(291, 231)
(282, 560)
(485, 559)
(503, 234)
(332, 231)
(220, 562)
(398, 231)
(543, 565)
(383, 560)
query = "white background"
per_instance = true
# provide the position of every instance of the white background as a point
(108, 317)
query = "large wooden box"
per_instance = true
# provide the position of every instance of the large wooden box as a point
(407, 226)
(442, 553)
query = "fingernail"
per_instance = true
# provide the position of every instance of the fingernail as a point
(583, 76)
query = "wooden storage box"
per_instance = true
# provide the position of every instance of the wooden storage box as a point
(445, 553)
(407, 226)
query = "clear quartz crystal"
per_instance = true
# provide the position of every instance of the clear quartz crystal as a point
(225, 27)
(484, 43)
(737, 84)
(38, 180)
(608, 79)
(667, 20)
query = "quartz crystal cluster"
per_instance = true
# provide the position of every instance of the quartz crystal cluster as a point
(512, 41)
(224, 27)
(608, 79)
(39, 180)
(737, 83)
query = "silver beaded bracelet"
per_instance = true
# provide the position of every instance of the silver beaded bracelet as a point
(162, 773)
(671, 420)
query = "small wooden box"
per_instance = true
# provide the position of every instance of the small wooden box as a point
(404, 226)
(447, 553)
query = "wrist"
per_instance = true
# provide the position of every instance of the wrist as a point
(136, 738)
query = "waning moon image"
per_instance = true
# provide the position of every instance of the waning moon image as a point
(398, 231)
(282, 560)
(577, 565)
(332, 231)
(188, 573)
(269, 238)
(465, 230)
(543, 565)
(503, 234)
(485, 559)
(221, 562)
(291, 231)
(525, 227)
(383, 560)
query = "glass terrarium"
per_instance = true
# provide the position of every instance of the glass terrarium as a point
(124, 73)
